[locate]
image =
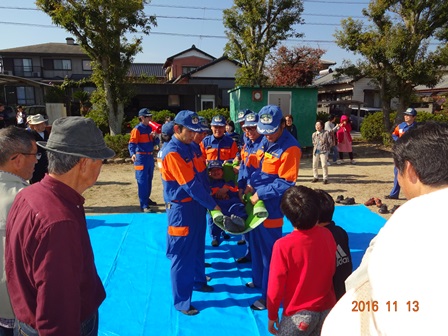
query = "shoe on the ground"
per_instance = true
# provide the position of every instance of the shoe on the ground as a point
(390, 197)
(378, 202)
(314, 180)
(191, 311)
(207, 264)
(339, 162)
(348, 201)
(250, 285)
(383, 209)
(243, 260)
(208, 278)
(151, 202)
(328, 163)
(370, 201)
(394, 208)
(353, 162)
(325, 181)
(241, 242)
(147, 210)
(215, 243)
(226, 236)
(259, 305)
(339, 198)
(205, 288)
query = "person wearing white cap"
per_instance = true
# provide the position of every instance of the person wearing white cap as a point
(37, 124)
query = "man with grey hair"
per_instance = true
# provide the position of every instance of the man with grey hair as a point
(51, 274)
(18, 155)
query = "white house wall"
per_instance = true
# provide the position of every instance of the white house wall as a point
(224, 69)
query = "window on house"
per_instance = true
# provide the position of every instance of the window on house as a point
(173, 100)
(25, 95)
(23, 67)
(86, 65)
(207, 102)
(57, 64)
(187, 69)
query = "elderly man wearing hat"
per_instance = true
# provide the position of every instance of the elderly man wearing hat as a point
(51, 274)
(141, 147)
(408, 123)
(218, 146)
(37, 124)
(278, 166)
(186, 197)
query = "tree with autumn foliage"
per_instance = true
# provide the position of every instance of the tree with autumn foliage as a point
(294, 67)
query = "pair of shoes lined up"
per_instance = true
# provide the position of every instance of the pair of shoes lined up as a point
(346, 201)
(314, 180)
(374, 201)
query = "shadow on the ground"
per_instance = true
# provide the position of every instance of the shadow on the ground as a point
(100, 183)
(110, 209)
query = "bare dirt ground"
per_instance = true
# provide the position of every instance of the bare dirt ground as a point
(372, 176)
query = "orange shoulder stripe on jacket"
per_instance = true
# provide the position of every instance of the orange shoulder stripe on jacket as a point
(175, 168)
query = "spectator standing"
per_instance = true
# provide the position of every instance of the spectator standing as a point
(332, 127)
(278, 158)
(218, 146)
(409, 122)
(344, 265)
(402, 265)
(20, 117)
(321, 147)
(51, 275)
(302, 269)
(290, 126)
(37, 125)
(141, 147)
(18, 152)
(186, 195)
(345, 139)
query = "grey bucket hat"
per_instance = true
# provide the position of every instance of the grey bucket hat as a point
(77, 136)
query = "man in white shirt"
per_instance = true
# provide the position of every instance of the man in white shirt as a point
(400, 287)
(18, 155)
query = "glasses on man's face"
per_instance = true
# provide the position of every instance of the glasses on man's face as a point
(38, 155)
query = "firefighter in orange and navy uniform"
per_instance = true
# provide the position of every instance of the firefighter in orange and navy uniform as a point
(279, 160)
(141, 147)
(186, 195)
(249, 164)
(218, 146)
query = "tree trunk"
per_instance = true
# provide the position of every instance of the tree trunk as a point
(115, 111)
(385, 99)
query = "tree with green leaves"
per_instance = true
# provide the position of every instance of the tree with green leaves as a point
(100, 27)
(294, 66)
(396, 46)
(253, 29)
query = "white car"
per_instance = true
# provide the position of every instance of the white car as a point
(363, 112)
